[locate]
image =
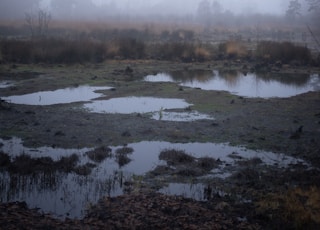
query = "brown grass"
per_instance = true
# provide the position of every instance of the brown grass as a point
(283, 51)
(233, 49)
(298, 208)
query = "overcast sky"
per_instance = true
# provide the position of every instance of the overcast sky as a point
(236, 6)
(148, 7)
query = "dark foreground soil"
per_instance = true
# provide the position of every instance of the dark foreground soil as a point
(279, 198)
(136, 211)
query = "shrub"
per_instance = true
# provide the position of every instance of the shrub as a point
(202, 54)
(284, 51)
(175, 51)
(175, 157)
(17, 51)
(131, 48)
(52, 51)
(233, 49)
(99, 154)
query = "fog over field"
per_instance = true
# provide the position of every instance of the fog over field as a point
(92, 9)
(190, 6)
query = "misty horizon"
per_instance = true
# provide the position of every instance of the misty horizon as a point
(97, 9)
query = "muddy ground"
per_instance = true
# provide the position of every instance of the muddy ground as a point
(282, 197)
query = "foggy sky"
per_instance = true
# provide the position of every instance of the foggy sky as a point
(148, 7)
(190, 6)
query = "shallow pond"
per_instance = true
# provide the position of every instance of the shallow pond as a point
(156, 107)
(247, 85)
(127, 105)
(69, 194)
(60, 96)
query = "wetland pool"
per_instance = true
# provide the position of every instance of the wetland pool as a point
(69, 194)
(264, 85)
(60, 96)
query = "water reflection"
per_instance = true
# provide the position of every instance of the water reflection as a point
(69, 194)
(127, 105)
(156, 106)
(5, 84)
(264, 85)
(60, 96)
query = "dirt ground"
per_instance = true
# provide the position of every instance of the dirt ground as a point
(279, 197)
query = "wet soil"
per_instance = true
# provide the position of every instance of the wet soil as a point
(257, 194)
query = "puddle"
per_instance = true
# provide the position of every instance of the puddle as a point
(5, 84)
(60, 96)
(155, 106)
(69, 194)
(250, 85)
(127, 105)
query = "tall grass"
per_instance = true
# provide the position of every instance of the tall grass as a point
(282, 51)
(51, 51)
(85, 49)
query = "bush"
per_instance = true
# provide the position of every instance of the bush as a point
(177, 51)
(130, 48)
(17, 51)
(284, 51)
(233, 49)
(52, 51)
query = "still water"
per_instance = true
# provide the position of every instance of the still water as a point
(265, 85)
(127, 105)
(60, 96)
(69, 194)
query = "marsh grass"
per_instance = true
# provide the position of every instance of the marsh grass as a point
(176, 157)
(298, 208)
(99, 154)
(24, 164)
(282, 51)
(94, 43)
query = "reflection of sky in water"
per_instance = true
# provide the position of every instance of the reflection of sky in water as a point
(155, 106)
(5, 84)
(250, 85)
(60, 96)
(61, 193)
(127, 105)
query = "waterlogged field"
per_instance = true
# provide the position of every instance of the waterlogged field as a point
(95, 175)
(171, 128)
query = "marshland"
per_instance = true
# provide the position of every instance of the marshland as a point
(156, 115)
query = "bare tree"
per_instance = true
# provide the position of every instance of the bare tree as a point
(38, 23)
(294, 9)
(314, 5)
(204, 13)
